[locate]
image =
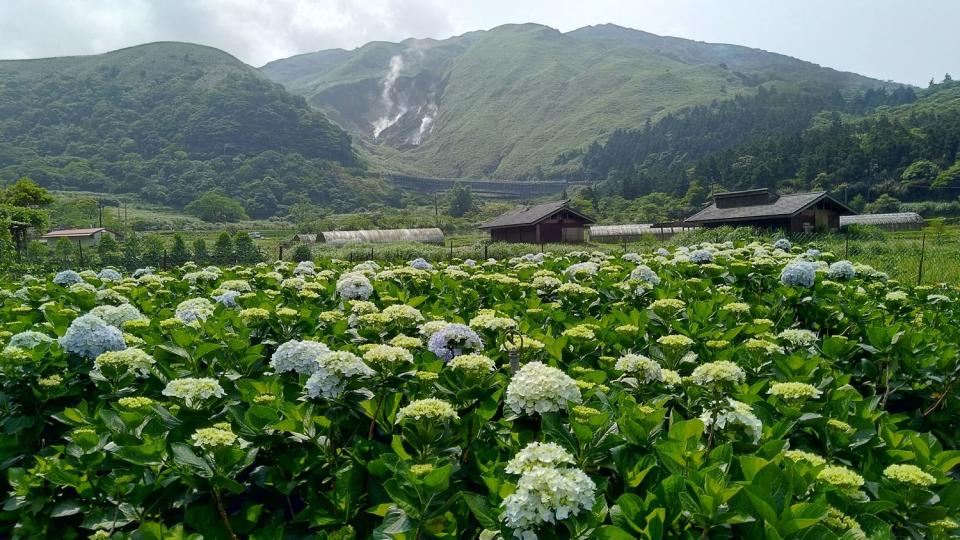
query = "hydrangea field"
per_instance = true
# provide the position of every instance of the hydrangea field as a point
(716, 391)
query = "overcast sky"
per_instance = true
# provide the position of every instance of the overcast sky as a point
(906, 40)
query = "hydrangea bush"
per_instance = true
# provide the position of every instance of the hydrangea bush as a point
(730, 390)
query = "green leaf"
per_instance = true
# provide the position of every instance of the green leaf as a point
(486, 516)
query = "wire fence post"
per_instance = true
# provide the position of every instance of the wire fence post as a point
(80, 247)
(846, 245)
(164, 260)
(923, 245)
(451, 251)
(485, 247)
(280, 253)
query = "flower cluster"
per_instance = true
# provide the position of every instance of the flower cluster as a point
(840, 477)
(539, 388)
(841, 270)
(432, 409)
(89, 336)
(354, 286)
(387, 357)
(717, 373)
(799, 274)
(546, 493)
(130, 359)
(332, 372)
(538, 454)
(734, 413)
(453, 340)
(302, 357)
(474, 365)
(910, 475)
(212, 437)
(194, 391)
(794, 391)
(644, 369)
(194, 310)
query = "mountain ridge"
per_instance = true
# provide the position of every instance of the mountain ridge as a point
(509, 102)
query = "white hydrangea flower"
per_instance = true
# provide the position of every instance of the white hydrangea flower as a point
(117, 315)
(798, 337)
(333, 371)
(302, 357)
(539, 388)
(735, 413)
(721, 371)
(537, 454)
(193, 310)
(545, 495)
(353, 286)
(193, 390)
(428, 409)
(643, 368)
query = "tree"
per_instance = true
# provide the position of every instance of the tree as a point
(215, 207)
(108, 250)
(26, 192)
(64, 253)
(200, 255)
(302, 253)
(461, 200)
(883, 204)
(37, 252)
(920, 172)
(244, 249)
(132, 251)
(179, 253)
(153, 249)
(223, 249)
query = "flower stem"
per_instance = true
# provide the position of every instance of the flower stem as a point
(223, 514)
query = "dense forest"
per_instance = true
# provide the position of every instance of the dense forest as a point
(902, 143)
(171, 122)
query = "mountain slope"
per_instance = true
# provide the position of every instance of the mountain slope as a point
(168, 121)
(521, 100)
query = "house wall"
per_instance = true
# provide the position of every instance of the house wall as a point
(515, 235)
(819, 218)
(560, 227)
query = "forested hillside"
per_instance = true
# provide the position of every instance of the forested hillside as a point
(525, 101)
(901, 143)
(170, 121)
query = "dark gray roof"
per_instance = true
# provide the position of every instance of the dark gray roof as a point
(531, 215)
(784, 206)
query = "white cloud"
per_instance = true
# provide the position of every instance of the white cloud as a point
(896, 39)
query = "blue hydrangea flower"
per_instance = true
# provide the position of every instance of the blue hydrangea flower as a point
(420, 264)
(783, 244)
(453, 340)
(67, 278)
(662, 252)
(799, 274)
(109, 274)
(645, 273)
(228, 298)
(89, 336)
(841, 270)
(701, 256)
(813, 253)
(469, 262)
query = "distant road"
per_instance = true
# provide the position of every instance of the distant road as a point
(499, 189)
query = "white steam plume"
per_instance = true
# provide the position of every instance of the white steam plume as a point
(393, 111)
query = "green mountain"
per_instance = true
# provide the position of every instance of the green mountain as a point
(170, 121)
(904, 143)
(522, 101)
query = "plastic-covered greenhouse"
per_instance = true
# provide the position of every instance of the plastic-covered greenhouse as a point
(630, 232)
(427, 236)
(893, 222)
